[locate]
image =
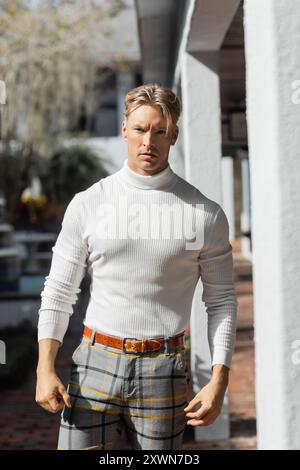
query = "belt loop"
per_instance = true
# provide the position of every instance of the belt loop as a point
(92, 338)
(167, 346)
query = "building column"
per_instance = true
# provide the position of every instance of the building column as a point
(246, 204)
(201, 125)
(273, 114)
(228, 193)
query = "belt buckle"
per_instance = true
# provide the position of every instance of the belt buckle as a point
(144, 341)
(124, 345)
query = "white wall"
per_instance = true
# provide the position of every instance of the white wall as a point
(272, 66)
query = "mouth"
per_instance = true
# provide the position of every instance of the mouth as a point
(148, 155)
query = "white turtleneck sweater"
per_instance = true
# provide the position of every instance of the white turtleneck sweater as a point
(121, 230)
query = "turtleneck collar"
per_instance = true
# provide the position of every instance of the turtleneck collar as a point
(162, 180)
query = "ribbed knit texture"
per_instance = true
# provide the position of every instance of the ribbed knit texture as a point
(142, 285)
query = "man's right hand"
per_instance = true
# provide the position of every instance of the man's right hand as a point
(51, 393)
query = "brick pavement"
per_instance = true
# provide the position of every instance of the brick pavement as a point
(24, 425)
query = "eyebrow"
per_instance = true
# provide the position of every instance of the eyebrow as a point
(156, 127)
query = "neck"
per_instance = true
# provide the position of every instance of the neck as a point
(144, 172)
(161, 180)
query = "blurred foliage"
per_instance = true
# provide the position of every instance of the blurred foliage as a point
(47, 65)
(71, 170)
(16, 165)
(68, 171)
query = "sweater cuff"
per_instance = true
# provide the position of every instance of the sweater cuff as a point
(222, 356)
(47, 328)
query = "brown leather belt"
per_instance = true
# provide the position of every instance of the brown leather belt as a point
(134, 345)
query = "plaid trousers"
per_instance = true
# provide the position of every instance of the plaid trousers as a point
(140, 394)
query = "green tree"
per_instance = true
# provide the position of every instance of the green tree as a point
(47, 64)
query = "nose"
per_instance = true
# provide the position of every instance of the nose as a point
(148, 139)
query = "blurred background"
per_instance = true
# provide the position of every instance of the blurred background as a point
(65, 68)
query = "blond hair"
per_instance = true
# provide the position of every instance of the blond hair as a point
(154, 94)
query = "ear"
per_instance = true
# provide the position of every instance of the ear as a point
(175, 135)
(124, 130)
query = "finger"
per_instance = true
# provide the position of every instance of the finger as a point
(48, 408)
(45, 405)
(195, 401)
(66, 397)
(54, 404)
(196, 422)
(199, 413)
(206, 421)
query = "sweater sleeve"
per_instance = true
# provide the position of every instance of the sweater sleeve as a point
(68, 267)
(219, 296)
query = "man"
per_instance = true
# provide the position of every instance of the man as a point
(129, 371)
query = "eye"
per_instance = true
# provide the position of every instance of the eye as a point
(138, 129)
(161, 131)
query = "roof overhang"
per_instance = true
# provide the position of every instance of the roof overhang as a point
(167, 28)
(157, 27)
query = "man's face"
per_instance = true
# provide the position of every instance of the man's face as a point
(145, 133)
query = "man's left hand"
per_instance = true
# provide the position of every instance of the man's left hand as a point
(211, 398)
